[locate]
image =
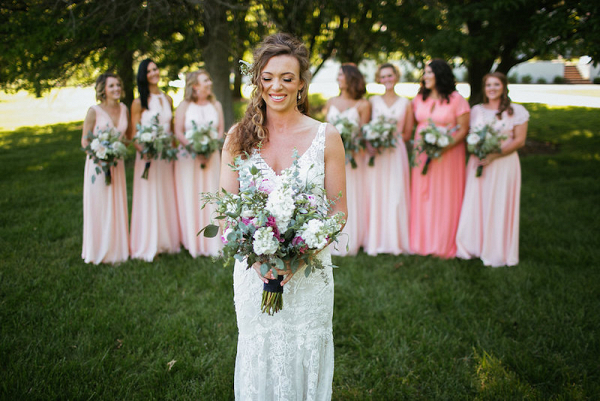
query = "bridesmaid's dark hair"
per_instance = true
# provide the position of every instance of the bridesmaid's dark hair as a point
(445, 82)
(142, 82)
(355, 82)
(504, 99)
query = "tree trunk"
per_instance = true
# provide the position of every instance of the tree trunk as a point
(124, 65)
(477, 70)
(216, 56)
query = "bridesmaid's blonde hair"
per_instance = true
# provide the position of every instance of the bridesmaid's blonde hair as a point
(101, 85)
(387, 65)
(191, 79)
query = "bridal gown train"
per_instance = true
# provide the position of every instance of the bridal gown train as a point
(287, 356)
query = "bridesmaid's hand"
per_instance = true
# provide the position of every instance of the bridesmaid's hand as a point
(489, 159)
(371, 150)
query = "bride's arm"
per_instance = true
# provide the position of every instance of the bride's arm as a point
(335, 170)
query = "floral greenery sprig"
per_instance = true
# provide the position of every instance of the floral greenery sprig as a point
(433, 141)
(483, 140)
(155, 142)
(278, 223)
(380, 134)
(349, 131)
(105, 149)
(203, 140)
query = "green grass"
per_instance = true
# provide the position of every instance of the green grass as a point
(408, 327)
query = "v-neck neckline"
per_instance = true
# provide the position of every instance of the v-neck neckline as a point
(110, 117)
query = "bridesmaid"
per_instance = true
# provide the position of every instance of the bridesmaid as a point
(388, 182)
(489, 221)
(154, 222)
(199, 106)
(351, 104)
(105, 216)
(436, 198)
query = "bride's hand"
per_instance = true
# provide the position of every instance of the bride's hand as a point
(269, 276)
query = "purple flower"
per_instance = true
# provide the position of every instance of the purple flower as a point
(300, 241)
(272, 223)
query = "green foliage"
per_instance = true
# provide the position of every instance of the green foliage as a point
(559, 79)
(405, 327)
(513, 79)
(526, 79)
(596, 80)
(541, 80)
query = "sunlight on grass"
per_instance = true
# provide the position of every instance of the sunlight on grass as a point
(496, 379)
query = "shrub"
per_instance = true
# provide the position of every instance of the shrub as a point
(559, 80)
(513, 79)
(596, 80)
(526, 79)
(542, 81)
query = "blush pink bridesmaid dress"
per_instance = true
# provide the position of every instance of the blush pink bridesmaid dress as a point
(154, 221)
(191, 180)
(489, 221)
(436, 198)
(352, 236)
(387, 186)
(105, 217)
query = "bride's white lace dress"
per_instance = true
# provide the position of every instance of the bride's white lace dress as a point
(287, 356)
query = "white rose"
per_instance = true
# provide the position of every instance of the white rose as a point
(189, 134)
(472, 139)
(430, 138)
(101, 151)
(204, 140)
(213, 134)
(146, 137)
(443, 141)
(339, 127)
(95, 143)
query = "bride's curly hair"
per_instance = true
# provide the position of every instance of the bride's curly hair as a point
(252, 130)
(504, 99)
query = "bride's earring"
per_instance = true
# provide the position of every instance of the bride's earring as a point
(299, 95)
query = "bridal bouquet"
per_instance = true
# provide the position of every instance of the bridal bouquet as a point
(348, 130)
(432, 142)
(155, 142)
(482, 141)
(381, 134)
(274, 223)
(204, 140)
(105, 149)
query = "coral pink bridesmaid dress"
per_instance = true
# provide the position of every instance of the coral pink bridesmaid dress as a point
(105, 217)
(191, 180)
(489, 221)
(154, 221)
(387, 186)
(352, 236)
(436, 198)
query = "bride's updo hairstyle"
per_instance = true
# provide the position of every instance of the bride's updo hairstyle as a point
(252, 130)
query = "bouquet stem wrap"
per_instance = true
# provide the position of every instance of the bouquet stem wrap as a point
(426, 166)
(146, 169)
(479, 171)
(272, 297)
(107, 177)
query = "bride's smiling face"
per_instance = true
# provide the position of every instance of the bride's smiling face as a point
(280, 81)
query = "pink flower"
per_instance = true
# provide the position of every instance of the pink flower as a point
(272, 223)
(298, 241)
(266, 186)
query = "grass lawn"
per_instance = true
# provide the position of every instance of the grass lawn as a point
(407, 327)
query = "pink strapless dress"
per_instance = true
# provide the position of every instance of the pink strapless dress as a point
(387, 186)
(190, 181)
(105, 217)
(154, 221)
(489, 220)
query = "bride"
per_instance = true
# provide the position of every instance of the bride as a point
(287, 356)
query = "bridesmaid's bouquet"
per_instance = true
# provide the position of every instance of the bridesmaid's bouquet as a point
(204, 140)
(156, 143)
(381, 134)
(105, 149)
(278, 224)
(482, 141)
(348, 130)
(432, 142)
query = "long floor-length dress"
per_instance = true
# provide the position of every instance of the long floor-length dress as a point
(387, 186)
(287, 356)
(154, 222)
(489, 220)
(105, 217)
(351, 239)
(190, 180)
(436, 198)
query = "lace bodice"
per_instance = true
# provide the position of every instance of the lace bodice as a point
(287, 356)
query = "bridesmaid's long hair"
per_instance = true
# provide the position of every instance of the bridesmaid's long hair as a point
(445, 82)
(191, 79)
(252, 130)
(355, 82)
(504, 99)
(142, 82)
